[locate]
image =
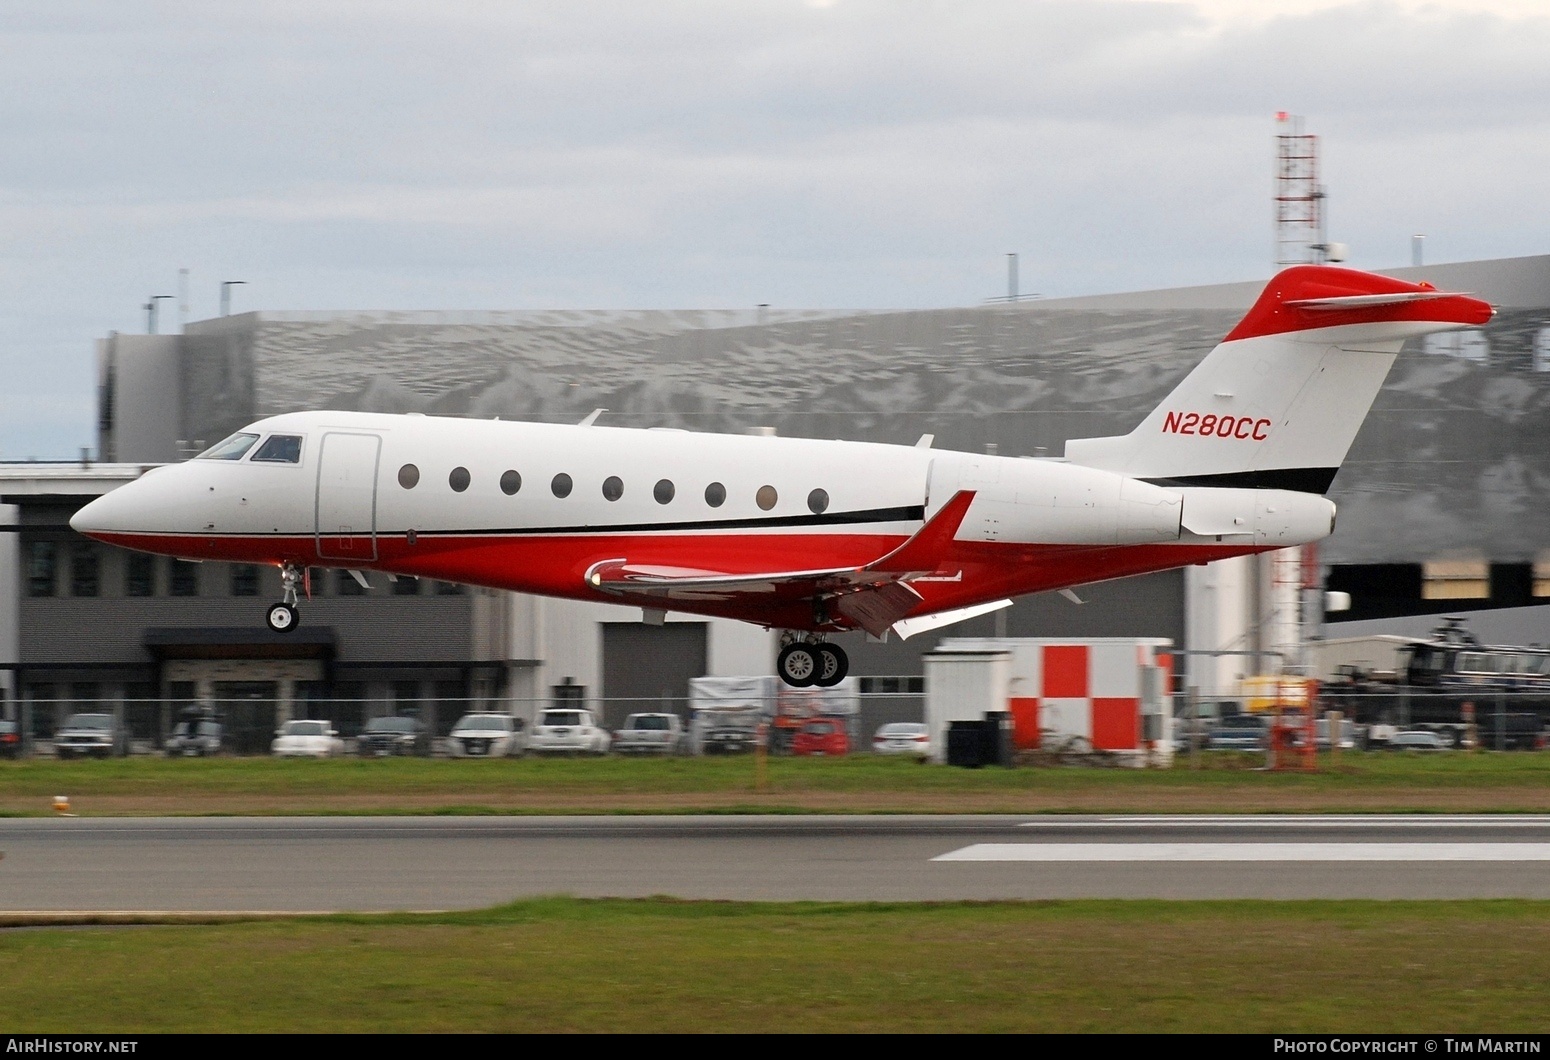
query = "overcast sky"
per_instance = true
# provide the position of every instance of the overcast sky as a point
(803, 153)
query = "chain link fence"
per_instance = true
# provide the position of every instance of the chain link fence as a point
(248, 725)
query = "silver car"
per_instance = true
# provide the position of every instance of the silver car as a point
(486, 736)
(660, 734)
(902, 738)
(89, 734)
(568, 730)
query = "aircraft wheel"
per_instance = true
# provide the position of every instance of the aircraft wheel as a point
(282, 618)
(833, 665)
(798, 665)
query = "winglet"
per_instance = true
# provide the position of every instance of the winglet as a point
(924, 550)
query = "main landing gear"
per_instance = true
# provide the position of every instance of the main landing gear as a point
(284, 617)
(802, 665)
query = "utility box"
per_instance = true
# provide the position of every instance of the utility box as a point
(963, 686)
(1111, 694)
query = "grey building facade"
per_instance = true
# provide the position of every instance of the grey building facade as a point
(1439, 495)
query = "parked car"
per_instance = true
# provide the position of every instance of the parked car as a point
(90, 734)
(1236, 737)
(728, 731)
(307, 739)
(1416, 740)
(10, 739)
(568, 730)
(393, 735)
(661, 734)
(822, 736)
(902, 738)
(486, 736)
(194, 737)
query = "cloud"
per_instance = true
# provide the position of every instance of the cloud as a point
(859, 152)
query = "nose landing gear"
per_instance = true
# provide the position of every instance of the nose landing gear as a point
(284, 616)
(802, 665)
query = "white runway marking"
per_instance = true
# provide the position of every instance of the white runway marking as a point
(1306, 821)
(1080, 852)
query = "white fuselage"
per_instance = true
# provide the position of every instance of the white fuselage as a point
(533, 507)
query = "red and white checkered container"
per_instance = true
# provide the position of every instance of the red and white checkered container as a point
(1094, 688)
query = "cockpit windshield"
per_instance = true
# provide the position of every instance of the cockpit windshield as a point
(232, 448)
(279, 449)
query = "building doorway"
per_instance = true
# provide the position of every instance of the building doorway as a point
(647, 668)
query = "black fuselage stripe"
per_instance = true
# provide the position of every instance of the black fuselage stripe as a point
(1296, 479)
(908, 514)
(915, 513)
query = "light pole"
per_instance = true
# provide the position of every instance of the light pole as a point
(226, 286)
(150, 312)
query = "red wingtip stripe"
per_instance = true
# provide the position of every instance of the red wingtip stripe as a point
(1271, 315)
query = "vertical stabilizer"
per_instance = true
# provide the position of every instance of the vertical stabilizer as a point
(1278, 402)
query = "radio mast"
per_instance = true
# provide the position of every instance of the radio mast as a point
(1299, 197)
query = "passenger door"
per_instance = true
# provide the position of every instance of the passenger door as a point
(347, 497)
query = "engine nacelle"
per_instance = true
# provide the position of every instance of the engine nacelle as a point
(1277, 518)
(1052, 502)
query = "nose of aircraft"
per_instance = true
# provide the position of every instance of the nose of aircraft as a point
(104, 515)
(131, 508)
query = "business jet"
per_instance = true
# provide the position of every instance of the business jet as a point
(809, 537)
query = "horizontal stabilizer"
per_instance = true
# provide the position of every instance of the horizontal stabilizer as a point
(1366, 301)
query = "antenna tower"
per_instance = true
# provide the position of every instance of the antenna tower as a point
(1299, 197)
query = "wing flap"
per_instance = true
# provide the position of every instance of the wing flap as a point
(877, 608)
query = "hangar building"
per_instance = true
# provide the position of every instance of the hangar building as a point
(1439, 499)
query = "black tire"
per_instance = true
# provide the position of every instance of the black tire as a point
(798, 665)
(282, 618)
(833, 665)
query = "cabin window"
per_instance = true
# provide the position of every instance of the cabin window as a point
(562, 485)
(510, 483)
(766, 497)
(409, 476)
(459, 479)
(715, 495)
(663, 491)
(613, 487)
(279, 449)
(232, 448)
(818, 502)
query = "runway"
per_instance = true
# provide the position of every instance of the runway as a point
(385, 863)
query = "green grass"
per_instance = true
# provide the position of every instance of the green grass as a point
(863, 783)
(660, 965)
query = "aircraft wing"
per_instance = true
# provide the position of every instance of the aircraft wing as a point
(874, 596)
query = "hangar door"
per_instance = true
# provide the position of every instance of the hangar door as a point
(647, 668)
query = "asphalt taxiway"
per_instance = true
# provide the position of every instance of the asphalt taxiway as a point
(379, 863)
